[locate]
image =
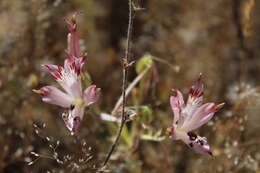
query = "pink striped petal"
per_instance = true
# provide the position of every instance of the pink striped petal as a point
(195, 97)
(79, 63)
(73, 39)
(205, 119)
(76, 88)
(53, 95)
(75, 64)
(73, 45)
(202, 115)
(67, 63)
(209, 116)
(91, 95)
(177, 104)
(197, 89)
(193, 122)
(54, 70)
(67, 77)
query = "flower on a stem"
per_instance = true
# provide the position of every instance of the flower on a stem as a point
(191, 116)
(69, 77)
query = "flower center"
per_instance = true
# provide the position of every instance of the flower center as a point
(79, 101)
(180, 133)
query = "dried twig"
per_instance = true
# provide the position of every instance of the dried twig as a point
(124, 85)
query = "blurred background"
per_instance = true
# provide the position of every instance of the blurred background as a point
(220, 39)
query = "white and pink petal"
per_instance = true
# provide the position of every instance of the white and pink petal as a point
(192, 122)
(53, 95)
(177, 105)
(201, 116)
(73, 39)
(91, 95)
(56, 71)
(195, 98)
(70, 80)
(197, 89)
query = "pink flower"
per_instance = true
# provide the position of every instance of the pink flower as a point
(191, 116)
(69, 78)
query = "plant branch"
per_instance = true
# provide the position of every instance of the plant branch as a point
(127, 91)
(124, 85)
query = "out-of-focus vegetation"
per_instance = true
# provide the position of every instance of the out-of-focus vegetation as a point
(220, 39)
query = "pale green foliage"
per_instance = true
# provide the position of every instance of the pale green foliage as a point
(145, 62)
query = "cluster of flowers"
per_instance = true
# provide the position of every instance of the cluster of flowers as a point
(186, 117)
